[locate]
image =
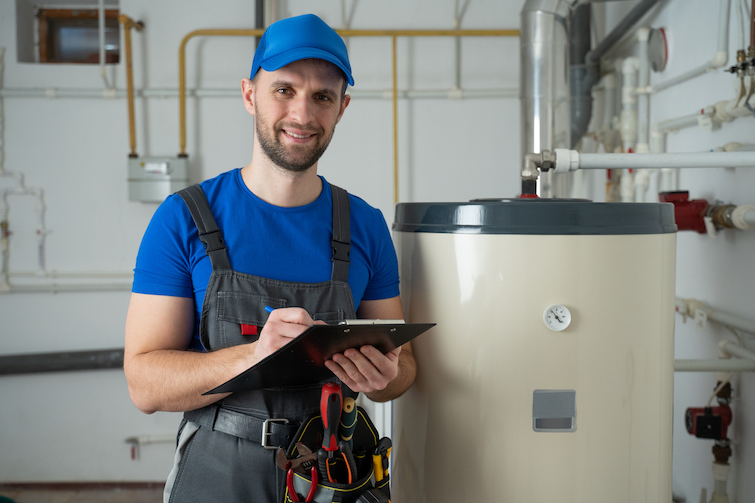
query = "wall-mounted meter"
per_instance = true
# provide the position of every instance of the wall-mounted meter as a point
(152, 179)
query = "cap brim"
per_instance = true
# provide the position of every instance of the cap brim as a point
(285, 58)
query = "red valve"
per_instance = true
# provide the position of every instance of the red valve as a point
(688, 213)
(708, 422)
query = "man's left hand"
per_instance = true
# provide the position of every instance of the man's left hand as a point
(366, 369)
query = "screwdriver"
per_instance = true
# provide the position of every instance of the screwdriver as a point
(348, 421)
(331, 400)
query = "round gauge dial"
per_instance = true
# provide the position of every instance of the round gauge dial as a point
(557, 317)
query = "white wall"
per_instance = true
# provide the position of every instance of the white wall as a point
(72, 426)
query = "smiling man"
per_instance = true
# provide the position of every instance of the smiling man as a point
(271, 234)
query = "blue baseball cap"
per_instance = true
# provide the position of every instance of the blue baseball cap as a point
(297, 38)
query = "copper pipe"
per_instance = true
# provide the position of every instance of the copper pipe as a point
(344, 33)
(129, 23)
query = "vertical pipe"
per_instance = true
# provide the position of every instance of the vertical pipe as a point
(395, 121)
(544, 80)
(128, 23)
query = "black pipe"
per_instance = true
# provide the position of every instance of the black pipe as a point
(591, 76)
(259, 19)
(579, 46)
(60, 362)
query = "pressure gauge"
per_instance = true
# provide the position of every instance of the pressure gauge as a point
(557, 317)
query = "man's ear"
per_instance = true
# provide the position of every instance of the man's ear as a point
(344, 103)
(247, 94)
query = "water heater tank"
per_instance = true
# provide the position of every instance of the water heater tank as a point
(549, 375)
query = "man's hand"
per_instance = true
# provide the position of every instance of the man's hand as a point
(365, 370)
(282, 326)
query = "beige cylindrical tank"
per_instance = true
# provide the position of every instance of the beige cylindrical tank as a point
(549, 375)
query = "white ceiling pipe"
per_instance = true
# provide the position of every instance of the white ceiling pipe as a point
(719, 59)
(712, 365)
(54, 93)
(571, 160)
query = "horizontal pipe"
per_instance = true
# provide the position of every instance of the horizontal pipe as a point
(385, 94)
(685, 121)
(60, 362)
(659, 161)
(67, 288)
(720, 365)
(688, 307)
(737, 350)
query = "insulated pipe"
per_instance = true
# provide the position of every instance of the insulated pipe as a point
(720, 58)
(571, 160)
(59, 362)
(544, 82)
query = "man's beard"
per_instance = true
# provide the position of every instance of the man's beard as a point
(294, 158)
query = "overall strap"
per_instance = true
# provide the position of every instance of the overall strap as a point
(341, 241)
(208, 230)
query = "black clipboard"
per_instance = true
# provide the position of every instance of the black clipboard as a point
(302, 361)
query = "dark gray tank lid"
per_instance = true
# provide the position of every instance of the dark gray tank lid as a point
(536, 216)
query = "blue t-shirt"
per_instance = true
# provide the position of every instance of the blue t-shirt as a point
(288, 244)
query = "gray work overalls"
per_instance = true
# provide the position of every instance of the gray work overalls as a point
(226, 451)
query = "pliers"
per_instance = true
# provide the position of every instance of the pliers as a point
(312, 487)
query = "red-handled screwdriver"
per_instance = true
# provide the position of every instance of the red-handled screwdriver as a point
(331, 400)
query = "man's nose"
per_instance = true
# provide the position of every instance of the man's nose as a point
(302, 110)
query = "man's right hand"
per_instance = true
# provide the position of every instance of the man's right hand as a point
(282, 326)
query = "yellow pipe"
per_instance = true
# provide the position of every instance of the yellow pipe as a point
(129, 23)
(394, 34)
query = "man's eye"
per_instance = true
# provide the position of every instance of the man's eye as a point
(282, 91)
(323, 97)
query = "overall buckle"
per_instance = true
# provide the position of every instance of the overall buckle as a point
(266, 431)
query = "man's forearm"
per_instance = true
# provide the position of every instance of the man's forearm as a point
(174, 380)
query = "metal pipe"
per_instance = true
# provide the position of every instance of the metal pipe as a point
(60, 362)
(129, 23)
(544, 80)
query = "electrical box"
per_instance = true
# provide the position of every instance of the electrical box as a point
(152, 179)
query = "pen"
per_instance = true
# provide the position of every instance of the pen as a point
(269, 309)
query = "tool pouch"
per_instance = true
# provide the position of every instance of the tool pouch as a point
(365, 439)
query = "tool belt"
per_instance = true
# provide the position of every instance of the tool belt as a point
(346, 487)
(270, 433)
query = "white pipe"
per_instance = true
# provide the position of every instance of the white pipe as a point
(571, 160)
(713, 365)
(643, 100)
(684, 121)
(629, 104)
(52, 93)
(733, 349)
(719, 59)
(688, 307)
(59, 288)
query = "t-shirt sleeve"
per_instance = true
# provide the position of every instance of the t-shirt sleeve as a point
(162, 264)
(384, 281)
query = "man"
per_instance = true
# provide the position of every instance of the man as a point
(290, 241)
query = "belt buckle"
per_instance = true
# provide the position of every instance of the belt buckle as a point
(266, 433)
